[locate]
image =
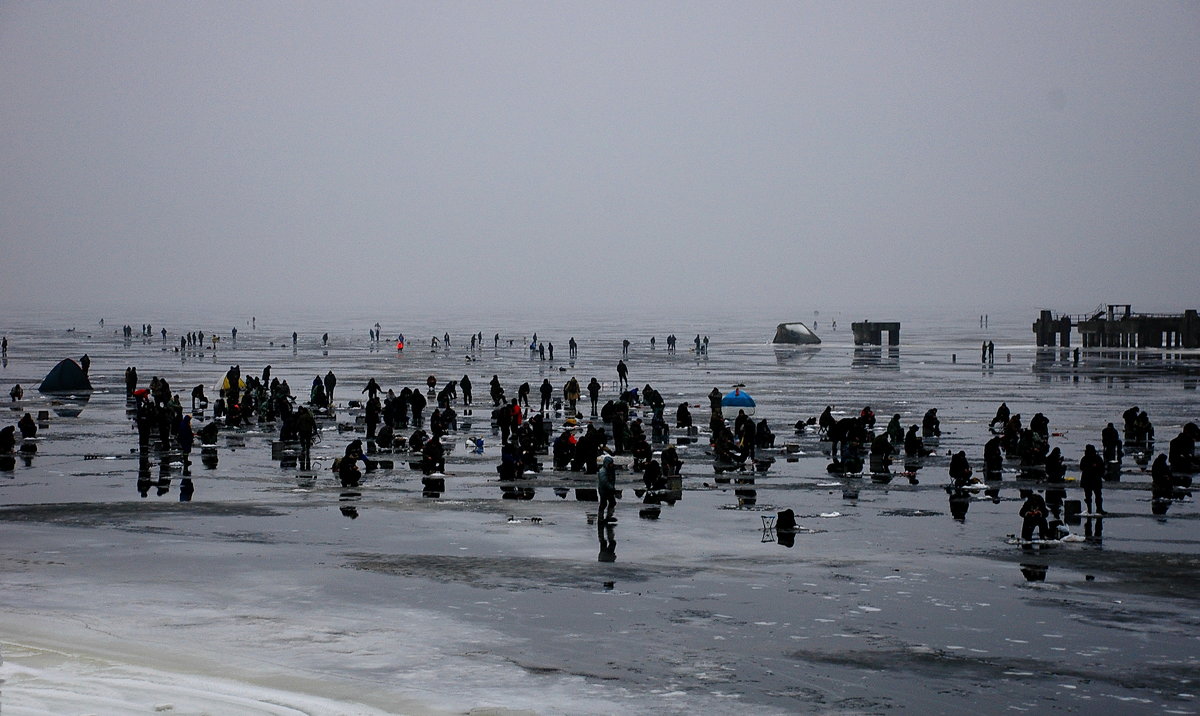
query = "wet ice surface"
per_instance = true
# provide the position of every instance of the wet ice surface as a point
(264, 595)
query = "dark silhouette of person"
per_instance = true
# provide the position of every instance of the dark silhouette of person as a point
(931, 426)
(465, 384)
(606, 488)
(1162, 481)
(1091, 478)
(27, 426)
(623, 373)
(305, 426)
(960, 469)
(8, 439)
(1033, 514)
(593, 388)
(348, 470)
(85, 363)
(547, 391)
(330, 384)
(683, 416)
(1110, 439)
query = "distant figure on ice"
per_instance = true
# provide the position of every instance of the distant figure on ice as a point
(623, 374)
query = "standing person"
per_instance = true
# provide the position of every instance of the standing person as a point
(1111, 440)
(1091, 479)
(606, 487)
(374, 412)
(324, 338)
(294, 337)
(572, 348)
(465, 384)
(651, 342)
(623, 373)
(625, 347)
(594, 393)
(4, 345)
(550, 349)
(417, 403)
(547, 391)
(523, 394)
(571, 393)
(85, 363)
(330, 384)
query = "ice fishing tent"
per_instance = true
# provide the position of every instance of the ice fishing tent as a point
(66, 377)
(796, 334)
(738, 399)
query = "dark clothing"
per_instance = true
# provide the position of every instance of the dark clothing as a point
(1091, 478)
(1033, 514)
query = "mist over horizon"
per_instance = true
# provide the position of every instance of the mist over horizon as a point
(551, 158)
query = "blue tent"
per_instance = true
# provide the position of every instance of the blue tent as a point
(738, 399)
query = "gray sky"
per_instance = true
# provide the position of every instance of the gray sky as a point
(651, 154)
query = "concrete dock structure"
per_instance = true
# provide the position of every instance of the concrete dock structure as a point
(870, 333)
(1117, 326)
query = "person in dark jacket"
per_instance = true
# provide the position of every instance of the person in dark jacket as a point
(8, 439)
(593, 389)
(960, 469)
(931, 425)
(330, 384)
(27, 426)
(1033, 515)
(465, 384)
(1091, 478)
(1162, 482)
(348, 470)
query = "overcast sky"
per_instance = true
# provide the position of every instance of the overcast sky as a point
(649, 154)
